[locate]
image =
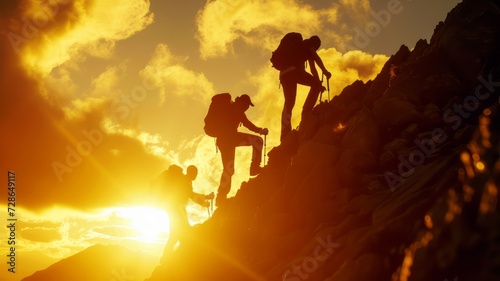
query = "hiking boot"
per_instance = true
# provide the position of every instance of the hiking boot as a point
(255, 170)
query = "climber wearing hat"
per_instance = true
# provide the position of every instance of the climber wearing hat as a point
(231, 138)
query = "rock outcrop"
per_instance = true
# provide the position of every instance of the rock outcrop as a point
(394, 179)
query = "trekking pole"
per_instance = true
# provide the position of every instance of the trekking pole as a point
(328, 87)
(265, 137)
(321, 93)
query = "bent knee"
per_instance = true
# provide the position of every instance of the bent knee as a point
(317, 86)
(256, 140)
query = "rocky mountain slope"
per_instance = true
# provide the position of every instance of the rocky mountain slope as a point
(394, 179)
(99, 263)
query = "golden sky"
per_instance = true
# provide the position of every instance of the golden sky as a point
(98, 97)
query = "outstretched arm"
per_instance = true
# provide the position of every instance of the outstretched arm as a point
(312, 66)
(319, 62)
(201, 199)
(251, 126)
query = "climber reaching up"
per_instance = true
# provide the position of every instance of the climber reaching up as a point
(289, 58)
(222, 121)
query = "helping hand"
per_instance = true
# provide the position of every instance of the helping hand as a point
(327, 74)
(264, 131)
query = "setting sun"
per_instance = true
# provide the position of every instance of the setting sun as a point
(151, 223)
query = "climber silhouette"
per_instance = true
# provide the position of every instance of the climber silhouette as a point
(177, 188)
(289, 58)
(222, 121)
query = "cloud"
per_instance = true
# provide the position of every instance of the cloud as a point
(259, 23)
(61, 153)
(356, 9)
(172, 78)
(52, 32)
(40, 234)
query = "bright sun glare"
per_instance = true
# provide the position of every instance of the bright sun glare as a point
(150, 222)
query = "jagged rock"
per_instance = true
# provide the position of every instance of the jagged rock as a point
(432, 117)
(396, 112)
(363, 134)
(281, 156)
(329, 135)
(347, 103)
(396, 145)
(387, 160)
(382, 81)
(309, 178)
(352, 164)
(440, 88)
(410, 132)
(308, 126)
(367, 267)
(418, 51)
(468, 37)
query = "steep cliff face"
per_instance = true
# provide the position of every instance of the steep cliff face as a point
(394, 179)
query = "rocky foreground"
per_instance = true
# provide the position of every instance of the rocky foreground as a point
(394, 179)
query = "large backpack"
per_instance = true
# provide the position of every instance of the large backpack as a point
(170, 185)
(288, 51)
(216, 117)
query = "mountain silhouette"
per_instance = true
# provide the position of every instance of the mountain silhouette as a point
(99, 263)
(393, 179)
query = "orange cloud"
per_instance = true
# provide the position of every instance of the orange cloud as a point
(259, 23)
(172, 78)
(53, 32)
(356, 9)
(58, 148)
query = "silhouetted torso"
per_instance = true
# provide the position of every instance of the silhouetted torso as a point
(235, 116)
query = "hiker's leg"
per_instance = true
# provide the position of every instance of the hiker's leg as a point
(290, 93)
(307, 79)
(227, 155)
(183, 224)
(174, 233)
(256, 142)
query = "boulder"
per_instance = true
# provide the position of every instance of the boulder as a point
(363, 134)
(310, 177)
(352, 164)
(382, 81)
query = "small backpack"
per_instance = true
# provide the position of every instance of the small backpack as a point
(216, 117)
(288, 51)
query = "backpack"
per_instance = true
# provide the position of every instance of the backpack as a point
(288, 51)
(216, 116)
(169, 185)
